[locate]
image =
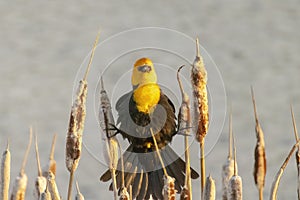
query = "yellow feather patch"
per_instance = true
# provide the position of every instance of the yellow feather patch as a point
(146, 97)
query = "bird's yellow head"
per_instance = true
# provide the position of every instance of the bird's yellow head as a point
(143, 73)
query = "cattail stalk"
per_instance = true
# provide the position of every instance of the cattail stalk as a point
(210, 189)
(199, 82)
(235, 186)
(5, 173)
(111, 143)
(40, 181)
(260, 164)
(275, 184)
(79, 196)
(184, 125)
(297, 152)
(20, 184)
(52, 187)
(76, 126)
(228, 167)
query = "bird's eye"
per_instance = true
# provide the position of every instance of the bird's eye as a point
(144, 68)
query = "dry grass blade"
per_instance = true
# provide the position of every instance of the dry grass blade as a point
(40, 181)
(199, 82)
(52, 187)
(78, 196)
(184, 124)
(235, 186)
(169, 190)
(210, 189)
(20, 184)
(228, 167)
(76, 126)
(51, 166)
(158, 154)
(275, 184)
(5, 173)
(111, 148)
(260, 165)
(297, 152)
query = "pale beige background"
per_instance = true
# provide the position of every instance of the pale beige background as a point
(253, 43)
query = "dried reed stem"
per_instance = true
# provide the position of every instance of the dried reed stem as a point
(210, 189)
(184, 119)
(76, 126)
(78, 196)
(277, 178)
(40, 181)
(297, 152)
(158, 154)
(20, 184)
(235, 186)
(92, 56)
(260, 164)
(111, 151)
(169, 185)
(52, 187)
(51, 166)
(228, 167)
(199, 82)
(5, 173)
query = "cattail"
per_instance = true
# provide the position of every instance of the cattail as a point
(169, 190)
(297, 152)
(111, 143)
(210, 189)
(45, 195)
(124, 195)
(199, 82)
(260, 164)
(184, 124)
(20, 184)
(235, 186)
(5, 173)
(52, 187)
(275, 184)
(228, 167)
(79, 196)
(76, 125)
(51, 165)
(40, 181)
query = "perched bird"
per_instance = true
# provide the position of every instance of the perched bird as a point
(144, 109)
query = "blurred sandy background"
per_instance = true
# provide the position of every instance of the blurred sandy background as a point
(254, 43)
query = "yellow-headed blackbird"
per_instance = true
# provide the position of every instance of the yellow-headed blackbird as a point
(141, 110)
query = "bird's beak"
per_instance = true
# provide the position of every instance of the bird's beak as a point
(144, 68)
